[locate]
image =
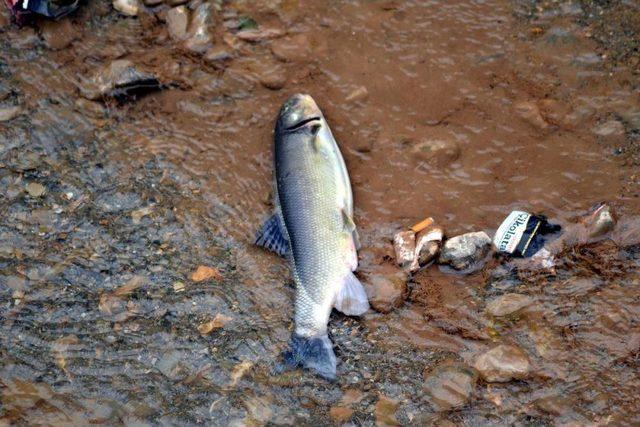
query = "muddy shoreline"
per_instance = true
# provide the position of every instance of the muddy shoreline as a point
(130, 292)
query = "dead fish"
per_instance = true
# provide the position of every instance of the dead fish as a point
(313, 226)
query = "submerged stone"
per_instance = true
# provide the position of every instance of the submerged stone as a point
(508, 304)
(503, 364)
(450, 385)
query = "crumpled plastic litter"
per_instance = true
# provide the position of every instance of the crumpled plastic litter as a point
(54, 9)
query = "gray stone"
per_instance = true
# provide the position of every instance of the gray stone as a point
(465, 251)
(177, 22)
(611, 128)
(200, 38)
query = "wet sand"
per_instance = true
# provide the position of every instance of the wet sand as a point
(461, 111)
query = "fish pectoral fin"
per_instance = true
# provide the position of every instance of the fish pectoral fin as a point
(271, 236)
(350, 227)
(351, 298)
(316, 142)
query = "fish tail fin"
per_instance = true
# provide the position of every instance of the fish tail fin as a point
(313, 353)
(351, 298)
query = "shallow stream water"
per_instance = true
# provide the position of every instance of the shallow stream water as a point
(109, 208)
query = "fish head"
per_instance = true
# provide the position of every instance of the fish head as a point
(300, 113)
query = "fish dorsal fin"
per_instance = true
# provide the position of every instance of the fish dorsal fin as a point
(351, 298)
(272, 237)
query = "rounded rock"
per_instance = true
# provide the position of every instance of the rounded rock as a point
(508, 304)
(177, 22)
(127, 7)
(465, 251)
(386, 287)
(450, 385)
(503, 364)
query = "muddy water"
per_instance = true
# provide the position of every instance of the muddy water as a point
(102, 318)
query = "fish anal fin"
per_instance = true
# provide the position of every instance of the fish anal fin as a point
(272, 237)
(351, 298)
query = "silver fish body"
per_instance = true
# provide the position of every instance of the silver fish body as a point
(314, 213)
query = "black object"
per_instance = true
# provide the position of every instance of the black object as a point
(54, 9)
(522, 234)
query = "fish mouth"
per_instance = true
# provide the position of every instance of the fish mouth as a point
(303, 123)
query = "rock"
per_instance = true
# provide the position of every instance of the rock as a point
(205, 273)
(612, 128)
(178, 286)
(294, 48)
(58, 34)
(428, 243)
(5, 17)
(627, 232)
(340, 414)
(120, 79)
(60, 350)
(529, 112)
(176, 2)
(127, 7)
(259, 34)
(218, 322)
(386, 287)
(9, 113)
(171, 365)
(502, 364)
(385, 412)
(238, 372)
(177, 22)
(508, 304)
(600, 222)
(200, 38)
(273, 76)
(351, 397)
(152, 2)
(465, 251)
(438, 151)
(450, 385)
(358, 95)
(217, 55)
(138, 214)
(91, 108)
(404, 246)
(35, 189)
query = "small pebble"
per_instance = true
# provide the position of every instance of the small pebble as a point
(9, 113)
(127, 7)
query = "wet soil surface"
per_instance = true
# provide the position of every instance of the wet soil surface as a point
(130, 292)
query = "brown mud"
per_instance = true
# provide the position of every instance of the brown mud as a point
(458, 110)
